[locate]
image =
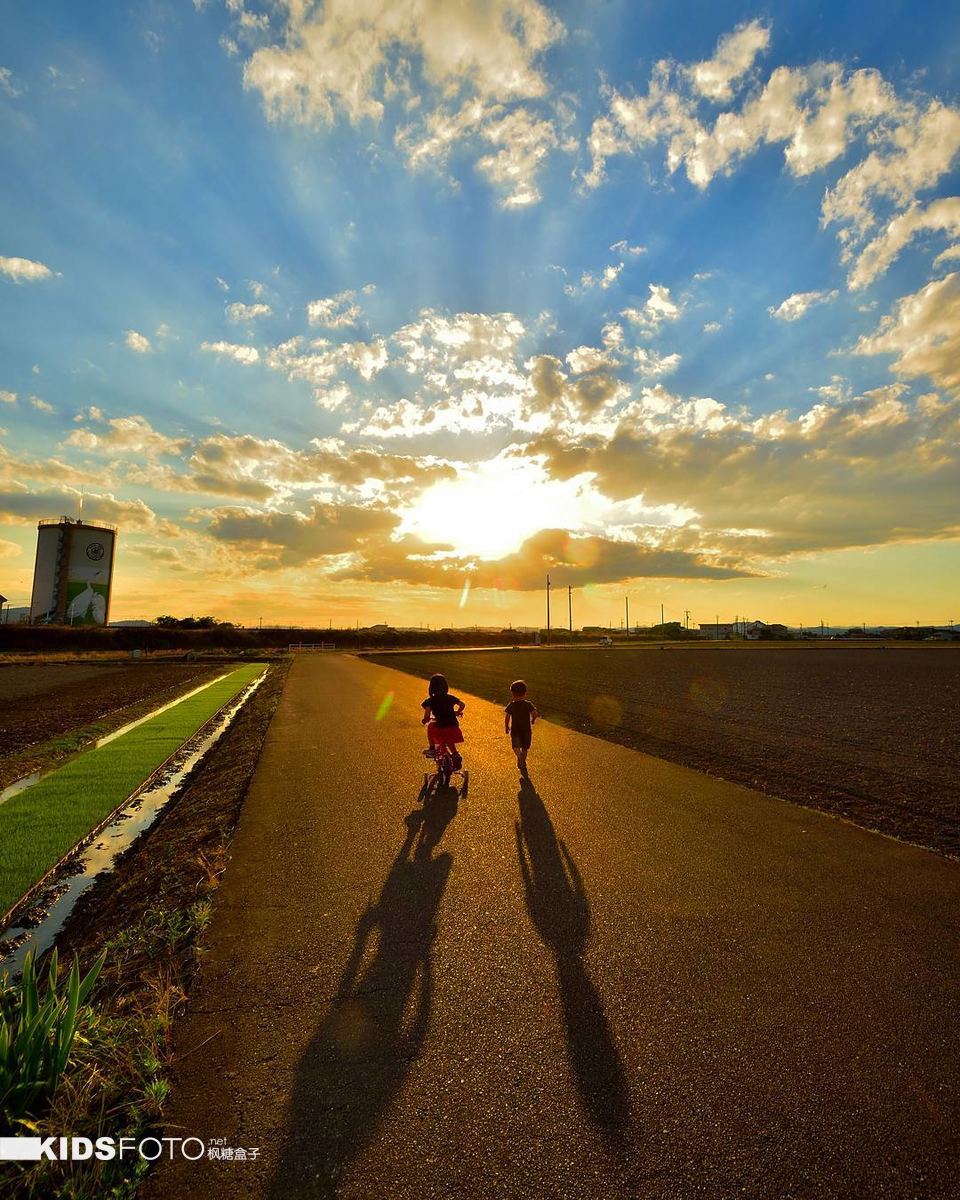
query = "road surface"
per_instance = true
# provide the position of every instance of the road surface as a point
(627, 979)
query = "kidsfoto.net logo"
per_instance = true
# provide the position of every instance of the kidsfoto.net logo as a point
(103, 1149)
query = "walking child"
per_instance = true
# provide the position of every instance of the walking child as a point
(518, 719)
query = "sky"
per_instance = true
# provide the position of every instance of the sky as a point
(381, 310)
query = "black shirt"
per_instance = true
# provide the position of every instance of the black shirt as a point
(442, 709)
(520, 712)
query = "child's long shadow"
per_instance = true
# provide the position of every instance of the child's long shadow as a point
(559, 908)
(361, 1052)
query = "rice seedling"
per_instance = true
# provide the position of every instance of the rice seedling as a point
(42, 823)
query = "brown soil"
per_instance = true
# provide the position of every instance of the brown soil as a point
(871, 734)
(48, 710)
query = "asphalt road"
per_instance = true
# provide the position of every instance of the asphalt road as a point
(625, 980)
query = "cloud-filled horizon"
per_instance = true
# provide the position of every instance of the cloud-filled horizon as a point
(333, 308)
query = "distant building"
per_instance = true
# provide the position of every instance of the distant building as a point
(73, 575)
(720, 629)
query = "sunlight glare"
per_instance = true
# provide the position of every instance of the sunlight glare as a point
(493, 507)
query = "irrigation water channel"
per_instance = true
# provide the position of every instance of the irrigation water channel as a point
(98, 852)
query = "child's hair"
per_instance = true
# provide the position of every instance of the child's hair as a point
(518, 688)
(439, 685)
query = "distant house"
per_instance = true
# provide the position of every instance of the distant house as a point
(380, 628)
(753, 631)
(720, 629)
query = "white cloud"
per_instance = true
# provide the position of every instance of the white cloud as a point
(126, 435)
(350, 61)
(940, 216)
(524, 141)
(816, 112)
(8, 397)
(41, 405)
(659, 307)
(321, 361)
(794, 307)
(588, 280)
(238, 311)
(246, 356)
(589, 358)
(334, 60)
(6, 84)
(624, 247)
(650, 364)
(850, 471)
(137, 342)
(712, 327)
(733, 57)
(335, 312)
(24, 269)
(923, 332)
(916, 154)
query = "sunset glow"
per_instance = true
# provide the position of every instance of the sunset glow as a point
(330, 308)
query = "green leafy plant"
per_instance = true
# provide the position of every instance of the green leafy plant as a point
(37, 1034)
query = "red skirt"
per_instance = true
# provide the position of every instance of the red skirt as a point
(444, 735)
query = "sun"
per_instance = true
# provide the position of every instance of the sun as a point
(491, 508)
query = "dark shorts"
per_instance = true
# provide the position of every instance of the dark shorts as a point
(521, 740)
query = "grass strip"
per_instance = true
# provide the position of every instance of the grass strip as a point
(41, 824)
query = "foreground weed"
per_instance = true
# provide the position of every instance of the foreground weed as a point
(36, 1037)
(115, 1083)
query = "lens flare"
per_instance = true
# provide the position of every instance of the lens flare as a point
(605, 712)
(708, 694)
(465, 593)
(384, 708)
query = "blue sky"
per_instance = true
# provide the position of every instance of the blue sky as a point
(661, 298)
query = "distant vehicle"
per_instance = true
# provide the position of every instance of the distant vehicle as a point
(605, 641)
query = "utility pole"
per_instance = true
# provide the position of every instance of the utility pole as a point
(686, 618)
(626, 601)
(717, 619)
(661, 614)
(548, 607)
(570, 605)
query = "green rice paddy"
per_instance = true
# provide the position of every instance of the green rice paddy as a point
(39, 825)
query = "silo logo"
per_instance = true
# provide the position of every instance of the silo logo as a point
(95, 551)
